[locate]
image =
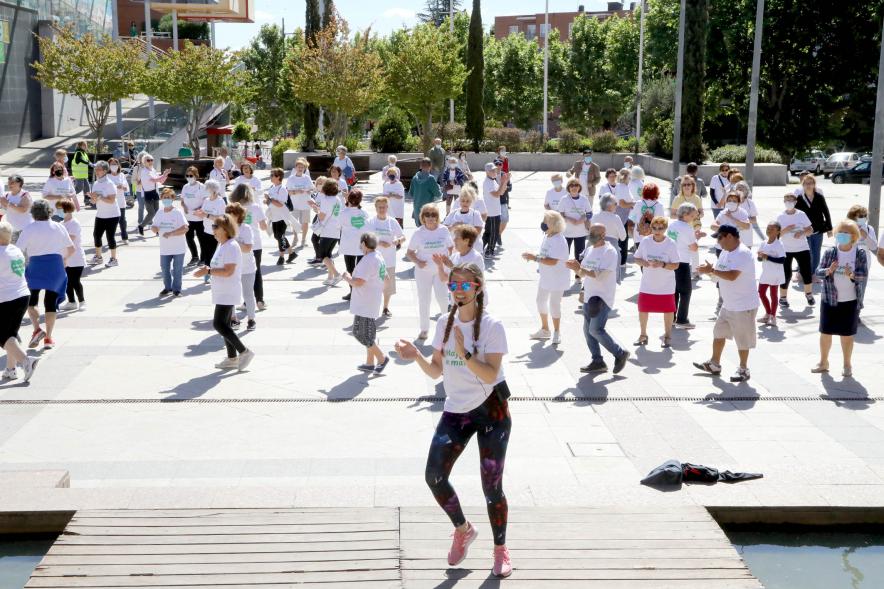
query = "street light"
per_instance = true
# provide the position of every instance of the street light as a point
(638, 94)
(451, 30)
(545, 70)
(753, 93)
(679, 79)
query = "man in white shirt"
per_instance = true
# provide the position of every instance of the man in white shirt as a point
(599, 268)
(735, 271)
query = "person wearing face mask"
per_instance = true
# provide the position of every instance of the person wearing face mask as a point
(734, 216)
(115, 174)
(423, 190)
(843, 269)
(795, 229)
(171, 225)
(193, 194)
(276, 199)
(300, 188)
(391, 163)
(719, 187)
(577, 211)
(150, 181)
(107, 215)
(437, 157)
(599, 270)
(58, 186)
(587, 173)
(554, 194)
(502, 162)
(76, 262)
(451, 180)
(627, 162)
(868, 241)
(644, 211)
(394, 190)
(429, 239)
(212, 207)
(367, 284)
(17, 204)
(493, 189)
(80, 165)
(390, 236)
(658, 255)
(465, 214)
(245, 238)
(219, 173)
(615, 230)
(243, 194)
(464, 165)
(554, 276)
(741, 187)
(625, 204)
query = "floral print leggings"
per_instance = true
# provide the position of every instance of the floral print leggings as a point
(492, 423)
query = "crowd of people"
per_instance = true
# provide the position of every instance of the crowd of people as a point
(591, 221)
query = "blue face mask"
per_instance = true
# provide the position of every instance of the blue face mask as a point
(167, 203)
(842, 238)
(588, 159)
(58, 218)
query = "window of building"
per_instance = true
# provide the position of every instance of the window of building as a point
(513, 29)
(532, 31)
(544, 29)
(570, 28)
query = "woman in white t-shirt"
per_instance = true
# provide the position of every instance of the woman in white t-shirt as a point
(335, 174)
(646, 208)
(347, 168)
(59, 184)
(554, 194)
(625, 204)
(328, 227)
(277, 200)
(171, 226)
(14, 296)
(115, 174)
(225, 269)
(353, 226)
(554, 276)
(464, 237)
(796, 226)
(17, 205)
(247, 176)
(868, 241)
(244, 195)
(577, 211)
(193, 194)
(658, 256)
(463, 213)
(772, 256)
(733, 215)
(76, 262)
(300, 187)
(468, 350)
(395, 191)
(390, 237)
(636, 182)
(430, 238)
(107, 214)
(682, 232)
(367, 286)
(245, 238)
(212, 206)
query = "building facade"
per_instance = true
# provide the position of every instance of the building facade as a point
(533, 26)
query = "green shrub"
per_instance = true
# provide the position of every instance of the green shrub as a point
(569, 141)
(412, 144)
(627, 144)
(551, 146)
(737, 154)
(508, 136)
(391, 132)
(585, 144)
(604, 142)
(660, 138)
(534, 141)
(451, 134)
(282, 145)
(242, 131)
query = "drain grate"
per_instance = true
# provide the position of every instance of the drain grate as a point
(428, 399)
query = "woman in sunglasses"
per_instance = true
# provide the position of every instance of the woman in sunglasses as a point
(429, 239)
(468, 350)
(657, 254)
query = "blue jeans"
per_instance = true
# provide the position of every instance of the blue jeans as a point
(172, 266)
(595, 333)
(815, 241)
(139, 196)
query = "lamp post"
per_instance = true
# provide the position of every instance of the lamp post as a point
(679, 79)
(753, 93)
(641, 59)
(151, 111)
(175, 27)
(115, 16)
(877, 149)
(451, 30)
(546, 70)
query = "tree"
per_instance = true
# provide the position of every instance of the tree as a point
(344, 77)
(694, 86)
(313, 24)
(328, 14)
(275, 108)
(97, 70)
(420, 71)
(437, 11)
(475, 126)
(186, 29)
(196, 78)
(514, 80)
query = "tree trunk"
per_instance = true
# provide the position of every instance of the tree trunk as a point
(427, 135)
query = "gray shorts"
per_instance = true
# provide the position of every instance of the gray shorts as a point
(301, 216)
(364, 330)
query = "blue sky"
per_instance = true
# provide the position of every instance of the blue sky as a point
(382, 16)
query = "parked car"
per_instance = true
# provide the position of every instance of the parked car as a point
(865, 157)
(858, 174)
(811, 160)
(840, 161)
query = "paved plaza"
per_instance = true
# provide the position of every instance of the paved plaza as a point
(276, 436)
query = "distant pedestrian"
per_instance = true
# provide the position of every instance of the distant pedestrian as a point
(171, 226)
(553, 277)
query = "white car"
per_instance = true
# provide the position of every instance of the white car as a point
(843, 160)
(811, 160)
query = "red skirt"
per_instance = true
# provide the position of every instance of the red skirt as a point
(654, 303)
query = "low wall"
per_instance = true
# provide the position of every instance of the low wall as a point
(765, 174)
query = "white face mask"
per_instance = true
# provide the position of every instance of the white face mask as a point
(502, 153)
(862, 221)
(732, 206)
(191, 180)
(557, 185)
(789, 205)
(452, 165)
(114, 169)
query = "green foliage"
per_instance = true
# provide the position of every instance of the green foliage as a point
(514, 80)
(737, 154)
(391, 132)
(281, 146)
(658, 108)
(551, 146)
(242, 131)
(413, 144)
(533, 141)
(312, 24)
(274, 107)
(475, 60)
(97, 70)
(436, 11)
(186, 28)
(569, 141)
(693, 89)
(604, 142)
(508, 136)
(628, 144)
(659, 137)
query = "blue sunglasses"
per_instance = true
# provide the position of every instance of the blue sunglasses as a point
(453, 286)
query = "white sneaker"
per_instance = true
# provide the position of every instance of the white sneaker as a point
(245, 359)
(557, 338)
(82, 306)
(336, 280)
(228, 364)
(763, 319)
(69, 306)
(10, 374)
(772, 320)
(29, 367)
(327, 282)
(540, 334)
(95, 260)
(112, 263)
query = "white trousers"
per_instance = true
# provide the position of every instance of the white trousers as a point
(428, 282)
(549, 302)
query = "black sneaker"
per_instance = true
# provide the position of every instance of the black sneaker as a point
(346, 297)
(141, 231)
(380, 367)
(784, 303)
(387, 312)
(620, 361)
(598, 366)
(235, 322)
(280, 261)
(810, 300)
(193, 261)
(164, 292)
(251, 325)
(291, 258)
(314, 261)
(176, 293)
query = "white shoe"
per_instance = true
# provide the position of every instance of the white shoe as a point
(557, 338)
(422, 335)
(96, 260)
(763, 319)
(29, 367)
(772, 320)
(10, 374)
(245, 359)
(69, 306)
(540, 334)
(82, 306)
(336, 280)
(228, 364)
(327, 282)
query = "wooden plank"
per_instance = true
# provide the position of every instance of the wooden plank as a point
(225, 539)
(577, 531)
(161, 569)
(216, 580)
(391, 584)
(412, 553)
(56, 559)
(541, 516)
(581, 544)
(484, 581)
(192, 513)
(574, 564)
(229, 520)
(233, 548)
(214, 530)
(592, 574)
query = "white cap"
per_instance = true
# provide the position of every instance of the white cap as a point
(490, 167)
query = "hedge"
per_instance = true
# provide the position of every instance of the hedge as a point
(737, 154)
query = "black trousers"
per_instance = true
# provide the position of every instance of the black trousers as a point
(803, 259)
(491, 236)
(259, 280)
(208, 245)
(279, 228)
(683, 288)
(75, 286)
(108, 228)
(624, 246)
(194, 234)
(579, 246)
(221, 323)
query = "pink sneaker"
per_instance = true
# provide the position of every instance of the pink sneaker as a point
(460, 545)
(502, 565)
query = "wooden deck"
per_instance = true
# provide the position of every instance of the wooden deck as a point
(389, 548)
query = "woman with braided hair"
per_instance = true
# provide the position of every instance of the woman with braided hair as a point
(468, 350)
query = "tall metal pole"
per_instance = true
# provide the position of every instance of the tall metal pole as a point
(151, 111)
(451, 30)
(877, 148)
(115, 16)
(753, 93)
(546, 71)
(679, 79)
(641, 61)
(175, 27)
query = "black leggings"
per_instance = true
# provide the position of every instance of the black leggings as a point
(208, 245)
(350, 262)
(624, 246)
(259, 280)
(491, 237)
(579, 246)
(683, 288)
(221, 323)
(492, 423)
(803, 259)
(50, 300)
(194, 234)
(108, 227)
(74, 285)
(279, 228)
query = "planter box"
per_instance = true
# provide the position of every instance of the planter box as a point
(765, 174)
(178, 166)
